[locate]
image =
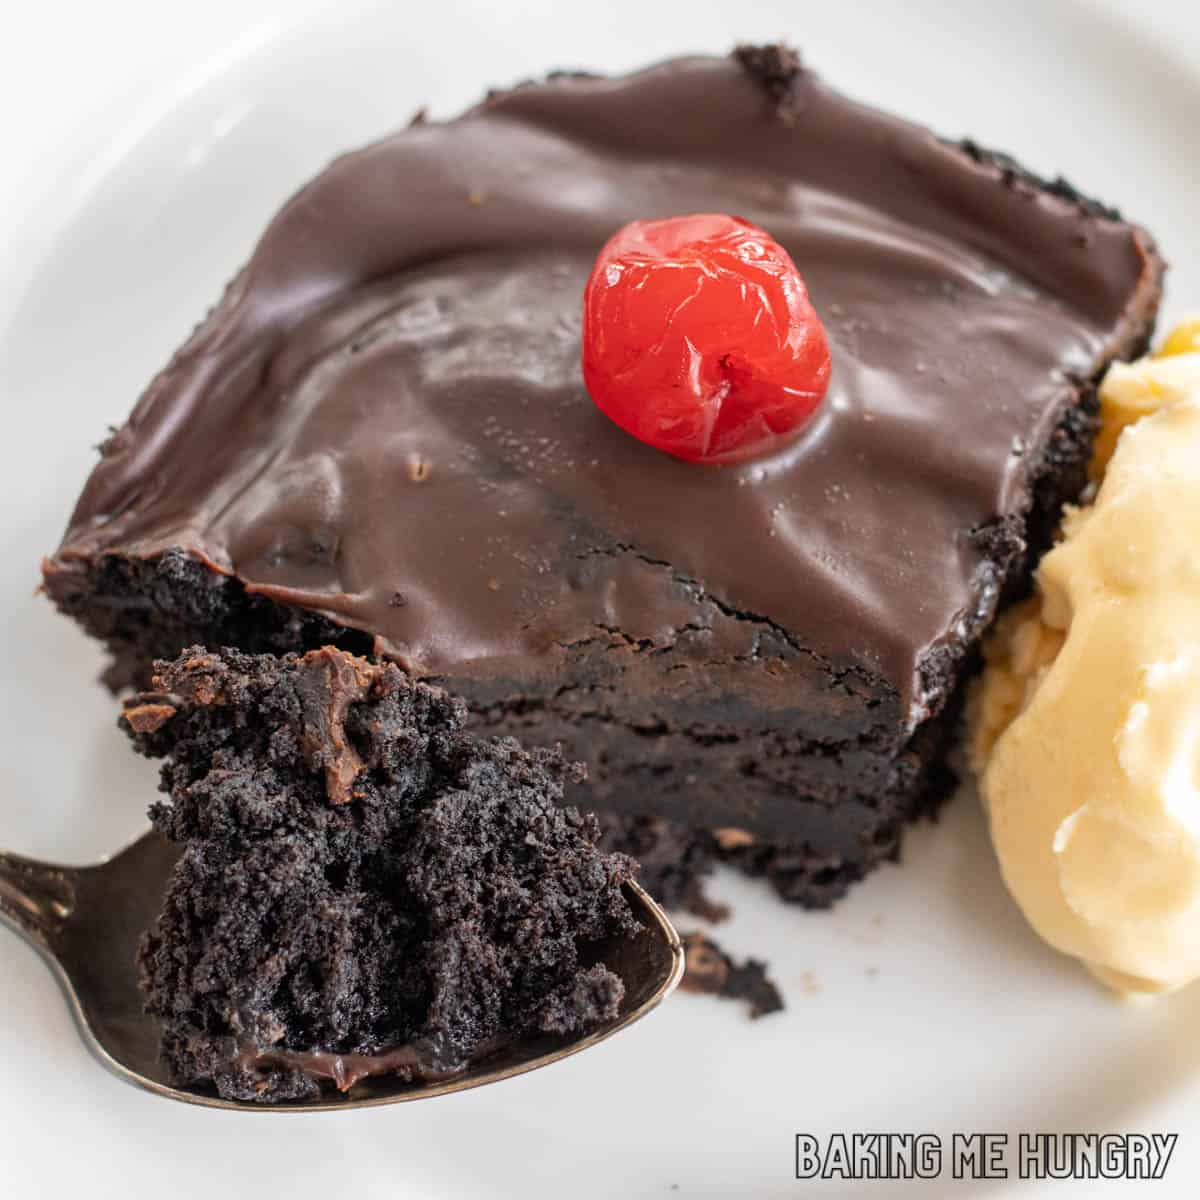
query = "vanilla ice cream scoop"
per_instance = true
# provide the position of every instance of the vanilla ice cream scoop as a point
(1086, 726)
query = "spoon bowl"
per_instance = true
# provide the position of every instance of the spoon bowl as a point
(87, 922)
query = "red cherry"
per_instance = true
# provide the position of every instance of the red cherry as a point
(699, 338)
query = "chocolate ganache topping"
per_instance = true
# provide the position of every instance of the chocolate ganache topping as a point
(384, 419)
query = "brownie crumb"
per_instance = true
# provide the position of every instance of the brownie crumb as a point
(364, 884)
(777, 69)
(774, 66)
(711, 971)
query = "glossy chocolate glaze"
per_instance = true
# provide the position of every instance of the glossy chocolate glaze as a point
(384, 419)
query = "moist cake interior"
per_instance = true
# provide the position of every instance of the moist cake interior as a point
(364, 885)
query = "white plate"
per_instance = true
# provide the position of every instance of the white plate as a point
(921, 1004)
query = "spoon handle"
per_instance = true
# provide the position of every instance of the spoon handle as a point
(35, 897)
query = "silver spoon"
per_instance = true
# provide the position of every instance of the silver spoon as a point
(86, 922)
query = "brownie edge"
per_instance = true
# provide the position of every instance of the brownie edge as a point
(365, 886)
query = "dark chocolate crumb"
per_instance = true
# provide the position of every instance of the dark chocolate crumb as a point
(711, 971)
(776, 67)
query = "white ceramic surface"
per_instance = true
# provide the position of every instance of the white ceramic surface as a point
(143, 147)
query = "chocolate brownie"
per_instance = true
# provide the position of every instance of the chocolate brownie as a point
(365, 886)
(380, 435)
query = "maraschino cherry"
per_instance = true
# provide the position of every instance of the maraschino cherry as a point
(699, 338)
